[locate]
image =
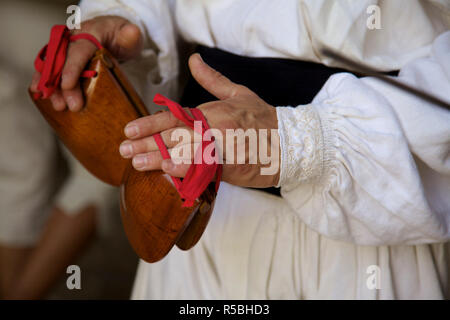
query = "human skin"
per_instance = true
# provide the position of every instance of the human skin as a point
(122, 38)
(236, 107)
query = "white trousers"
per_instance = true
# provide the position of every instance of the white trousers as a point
(256, 248)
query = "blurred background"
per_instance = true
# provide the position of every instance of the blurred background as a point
(52, 213)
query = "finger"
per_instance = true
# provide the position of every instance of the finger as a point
(35, 81)
(129, 41)
(78, 55)
(184, 153)
(154, 161)
(149, 125)
(58, 101)
(147, 161)
(174, 170)
(171, 138)
(74, 98)
(213, 81)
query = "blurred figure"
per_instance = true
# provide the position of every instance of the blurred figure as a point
(45, 219)
(51, 208)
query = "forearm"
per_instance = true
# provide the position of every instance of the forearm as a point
(348, 171)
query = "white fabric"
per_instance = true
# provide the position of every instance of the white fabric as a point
(359, 138)
(25, 192)
(81, 189)
(256, 247)
(157, 68)
(295, 29)
(369, 167)
(30, 162)
(32, 170)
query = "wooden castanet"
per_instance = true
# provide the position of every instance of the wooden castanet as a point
(94, 134)
(152, 213)
(151, 208)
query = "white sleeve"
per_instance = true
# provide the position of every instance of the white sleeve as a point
(158, 64)
(350, 159)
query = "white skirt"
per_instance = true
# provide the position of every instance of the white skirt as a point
(256, 248)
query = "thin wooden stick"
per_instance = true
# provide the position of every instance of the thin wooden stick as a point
(365, 70)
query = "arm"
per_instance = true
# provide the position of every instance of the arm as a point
(348, 168)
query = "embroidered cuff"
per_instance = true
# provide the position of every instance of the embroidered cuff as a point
(301, 144)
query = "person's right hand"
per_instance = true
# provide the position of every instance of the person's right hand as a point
(122, 38)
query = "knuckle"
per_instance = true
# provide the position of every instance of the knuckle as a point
(179, 169)
(68, 72)
(240, 88)
(171, 117)
(148, 144)
(88, 25)
(218, 75)
(80, 51)
(57, 102)
(148, 159)
(235, 90)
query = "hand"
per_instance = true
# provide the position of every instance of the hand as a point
(122, 38)
(237, 108)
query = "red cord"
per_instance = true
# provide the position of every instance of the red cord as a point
(50, 62)
(199, 175)
(51, 59)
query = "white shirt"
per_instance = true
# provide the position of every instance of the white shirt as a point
(293, 29)
(362, 163)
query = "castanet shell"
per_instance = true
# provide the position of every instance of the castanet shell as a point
(93, 135)
(151, 208)
(153, 216)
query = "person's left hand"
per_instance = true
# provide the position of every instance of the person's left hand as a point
(237, 108)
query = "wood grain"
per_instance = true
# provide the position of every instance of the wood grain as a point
(151, 208)
(93, 135)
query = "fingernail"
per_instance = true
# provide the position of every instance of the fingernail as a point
(126, 149)
(139, 161)
(71, 103)
(201, 59)
(167, 165)
(131, 131)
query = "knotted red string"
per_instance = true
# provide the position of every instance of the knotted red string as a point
(199, 175)
(50, 60)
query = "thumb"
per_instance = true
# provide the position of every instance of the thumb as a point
(129, 40)
(213, 81)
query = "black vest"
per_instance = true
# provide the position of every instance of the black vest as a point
(279, 82)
